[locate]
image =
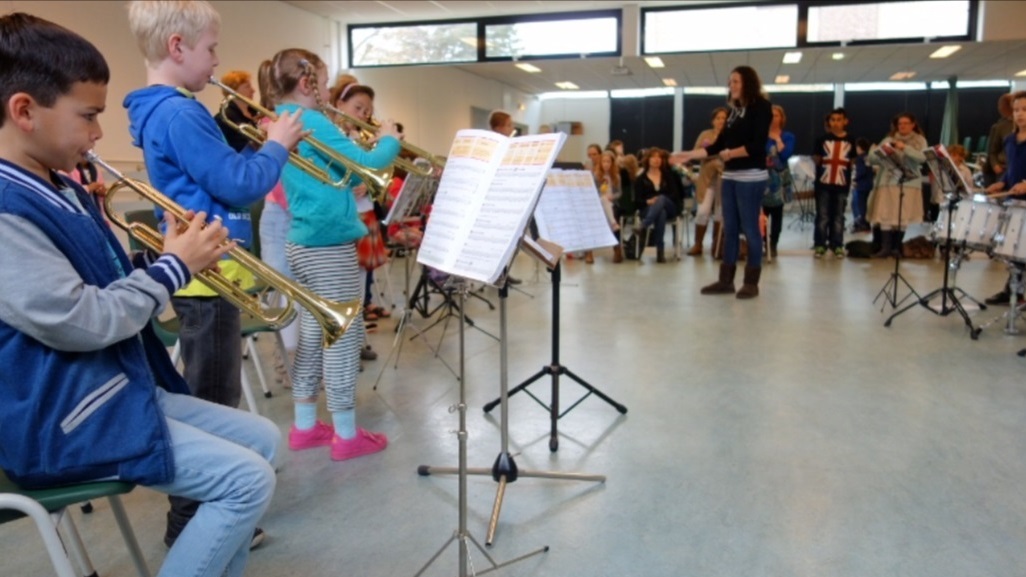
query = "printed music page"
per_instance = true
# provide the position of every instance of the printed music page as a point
(416, 192)
(488, 190)
(570, 213)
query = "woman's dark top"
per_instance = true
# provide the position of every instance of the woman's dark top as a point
(670, 187)
(748, 127)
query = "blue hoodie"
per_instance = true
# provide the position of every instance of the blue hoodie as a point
(189, 161)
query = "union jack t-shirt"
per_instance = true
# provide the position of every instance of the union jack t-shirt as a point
(837, 154)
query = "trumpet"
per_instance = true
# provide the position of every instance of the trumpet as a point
(335, 318)
(377, 181)
(369, 130)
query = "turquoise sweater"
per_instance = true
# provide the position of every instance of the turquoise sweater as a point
(323, 215)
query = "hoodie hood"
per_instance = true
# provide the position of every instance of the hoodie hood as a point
(142, 103)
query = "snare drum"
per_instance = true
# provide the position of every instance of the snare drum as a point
(976, 222)
(1010, 242)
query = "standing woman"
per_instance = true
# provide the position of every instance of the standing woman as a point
(321, 249)
(885, 202)
(779, 148)
(707, 187)
(742, 146)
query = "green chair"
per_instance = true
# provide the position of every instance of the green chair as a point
(48, 509)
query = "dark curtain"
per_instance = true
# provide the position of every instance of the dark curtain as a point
(642, 122)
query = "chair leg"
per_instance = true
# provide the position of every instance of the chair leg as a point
(255, 356)
(47, 531)
(176, 353)
(121, 517)
(74, 545)
(247, 391)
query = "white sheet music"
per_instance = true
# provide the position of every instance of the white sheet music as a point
(416, 192)
(488, 190)
(570, 214)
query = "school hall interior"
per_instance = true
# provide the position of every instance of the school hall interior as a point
(792, 434)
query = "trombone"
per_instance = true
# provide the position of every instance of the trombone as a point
(334, 318)
(369, 130)
(376, 180)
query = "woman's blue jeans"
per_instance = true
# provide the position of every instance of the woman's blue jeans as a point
(742, 203)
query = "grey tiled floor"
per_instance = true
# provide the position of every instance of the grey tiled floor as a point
(789, 435)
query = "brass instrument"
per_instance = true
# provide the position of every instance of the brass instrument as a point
(369, 130)
(334, 318)
(377, 181)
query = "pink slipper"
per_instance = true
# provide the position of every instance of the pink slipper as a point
(319, 436)
(364, 443)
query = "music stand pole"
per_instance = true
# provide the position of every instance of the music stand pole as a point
(555, 370)
(945, 291)
(462, 535)
(504, 470)
(896, 275)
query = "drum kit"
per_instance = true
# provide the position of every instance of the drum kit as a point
(991, 225)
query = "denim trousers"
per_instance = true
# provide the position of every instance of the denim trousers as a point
(222, 459)
(274, 226)
(742, 204)
(656, 215)
(860, 203)
(830, 204)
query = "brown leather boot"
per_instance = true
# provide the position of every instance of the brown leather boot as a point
(589, 257)
(725, 285)
(750, 289)
(717, 241)
(696, 249)
(617, 254)
(660, 256)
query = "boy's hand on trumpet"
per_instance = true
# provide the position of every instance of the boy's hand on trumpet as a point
(287, 129)
(199, 244)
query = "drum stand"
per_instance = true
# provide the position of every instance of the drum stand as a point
(945, 292)
(461, 535)
(1015, 287)
(555, 370)
(891, 286)
(504, 470)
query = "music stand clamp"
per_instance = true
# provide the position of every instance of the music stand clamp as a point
(944, 170)
(890, 288)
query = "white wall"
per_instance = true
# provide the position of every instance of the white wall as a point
(592, 113)
(1001, 20)
(250, 32)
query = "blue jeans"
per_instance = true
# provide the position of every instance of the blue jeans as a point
(830, 204)
(742, 204)
(274, 226)
(222, 458)
(859, 203)
(656, 215)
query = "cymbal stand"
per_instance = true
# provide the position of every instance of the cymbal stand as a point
(462, 536)
(555, 370)
(946, 292)
(504, 470)
(890, 289)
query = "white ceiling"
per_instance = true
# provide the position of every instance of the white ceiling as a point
(975, 61)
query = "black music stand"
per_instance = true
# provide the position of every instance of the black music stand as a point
(555, 370)
(896, 163)
(462, 534)
(946, 176)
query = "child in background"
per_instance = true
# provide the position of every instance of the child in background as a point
(862, 185)
(833, 154)
(321, 249)
(89, 392)
(958, 155)
(188, 160)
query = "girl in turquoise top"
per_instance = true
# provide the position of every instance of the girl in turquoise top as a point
(321, 251)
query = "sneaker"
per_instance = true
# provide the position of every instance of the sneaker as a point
(319, 436)
(838, 253)
(1000, 298)
(364, 443)
(820, 251)
(258, 538)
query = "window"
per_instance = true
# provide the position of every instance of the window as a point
(890, 21)
(719, 28)
(576, 36)
(413, 44)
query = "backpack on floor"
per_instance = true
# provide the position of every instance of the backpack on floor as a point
(859, 249)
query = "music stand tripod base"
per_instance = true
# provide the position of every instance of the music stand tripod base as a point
(556, 370)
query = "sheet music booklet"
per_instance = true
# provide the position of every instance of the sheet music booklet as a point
(948, 176)
(895, 161)
(485, 198)
(570, 212)
(416, 193)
